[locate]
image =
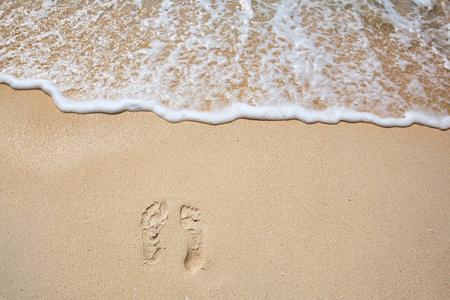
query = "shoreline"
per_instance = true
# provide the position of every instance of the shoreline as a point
(331, 115)
(283, 208)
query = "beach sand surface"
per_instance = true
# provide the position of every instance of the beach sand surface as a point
(127, 206)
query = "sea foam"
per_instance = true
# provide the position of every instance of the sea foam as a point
(215, 61)
(230, 113)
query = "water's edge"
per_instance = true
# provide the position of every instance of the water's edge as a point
(332, 115)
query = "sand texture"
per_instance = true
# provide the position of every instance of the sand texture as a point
(130, 206)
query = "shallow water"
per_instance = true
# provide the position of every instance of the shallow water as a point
(385, 58)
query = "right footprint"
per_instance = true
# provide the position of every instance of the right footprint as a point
(192, 226)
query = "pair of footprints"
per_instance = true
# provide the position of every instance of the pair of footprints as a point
(153, 220)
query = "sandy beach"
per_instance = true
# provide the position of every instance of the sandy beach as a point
(131, 206)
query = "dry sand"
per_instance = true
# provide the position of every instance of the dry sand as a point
(264, 209)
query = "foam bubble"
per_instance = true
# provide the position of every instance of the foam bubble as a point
(425, 3)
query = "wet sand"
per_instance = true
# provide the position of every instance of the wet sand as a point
(132, 206)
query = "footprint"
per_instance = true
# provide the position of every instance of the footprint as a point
(153, 219)
(192, 226)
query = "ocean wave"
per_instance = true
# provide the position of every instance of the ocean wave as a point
(385, 62)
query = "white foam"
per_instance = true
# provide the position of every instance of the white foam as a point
(332, 115)
(425, 3)
(315, 60)
(246, 6)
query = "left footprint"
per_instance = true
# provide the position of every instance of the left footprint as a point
(153, 219)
